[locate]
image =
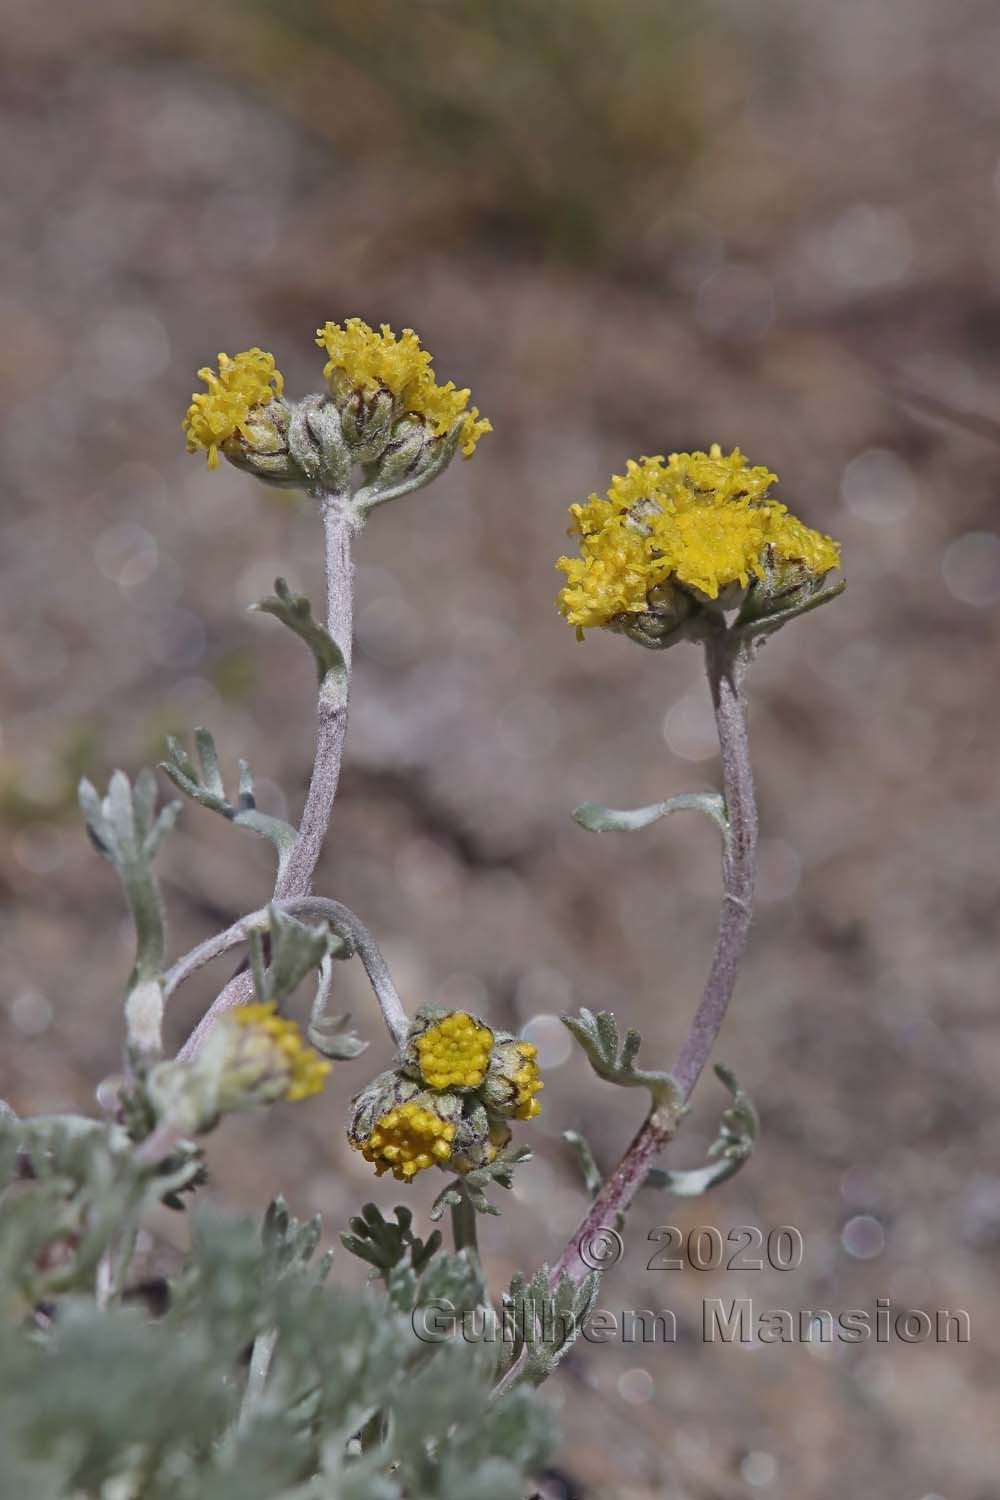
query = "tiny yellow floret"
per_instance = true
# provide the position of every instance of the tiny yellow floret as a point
(365, 361)
(702, 520)
(305, 1069)
(455, 1052)
(246, 381)
(407, 1140)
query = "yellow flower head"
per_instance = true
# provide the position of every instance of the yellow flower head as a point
(278, 1051)
(248, 381)
(365, 362)
(455, 1053)
(702, 520)
(408, 1139)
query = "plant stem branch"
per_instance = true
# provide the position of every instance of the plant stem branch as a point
(296, 877)
(211, 948)
(296, 873)
(726, 666)
(342, 921)
(463, 1224)
(726, 662)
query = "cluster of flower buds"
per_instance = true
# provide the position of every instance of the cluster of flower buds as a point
(383, 411)
(449, 1100)
(252, 1057)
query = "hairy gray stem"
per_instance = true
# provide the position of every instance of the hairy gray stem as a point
(211, 948)
(464, 1225)
(726, 662)
(726, 666)
(295, 877)
(342, 921)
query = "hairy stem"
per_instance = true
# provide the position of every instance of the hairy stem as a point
(726, 666)
(726, 662)
(463, 1224)
(342, 921)
(295, 876)
(213, 947)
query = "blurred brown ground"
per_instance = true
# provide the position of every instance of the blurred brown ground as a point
(629, 228)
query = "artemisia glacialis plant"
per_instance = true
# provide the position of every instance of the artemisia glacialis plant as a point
(244, 1374)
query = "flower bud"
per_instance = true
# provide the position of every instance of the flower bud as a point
(378, 1098)
(394, 413)
(785, 584)
(448, 1050)
(410, 1135)
(662, 623)
(243, 415)
(478, 1140)
(252, 1057)
(365, 421)
(513, 1079)
(442, 1106)
(411, 447)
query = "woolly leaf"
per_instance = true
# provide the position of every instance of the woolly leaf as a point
(205, 786)
(599, 819)
(613, 1058)
(295, 611)
(732, 1147)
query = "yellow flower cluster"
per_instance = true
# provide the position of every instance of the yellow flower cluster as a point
(304, 1068)
(362, 360)
(528, 1081)
(249, 380)
(455, 1052)
(406, 1140)
(699, 519)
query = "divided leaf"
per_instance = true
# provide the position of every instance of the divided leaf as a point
(203, 783)
(542, 1323)
(473, 1185)
(387, 1246)
(613, 1058)
(738, 1133)
(330, 1032)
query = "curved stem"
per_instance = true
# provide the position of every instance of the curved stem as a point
(342, 921)
(726, 662)
(212, 948)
